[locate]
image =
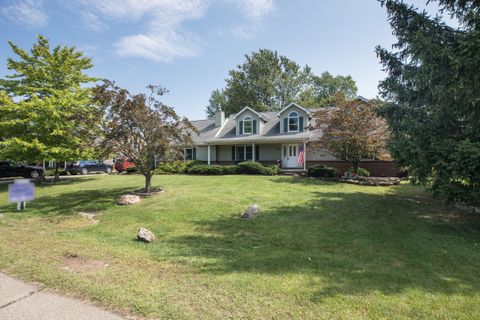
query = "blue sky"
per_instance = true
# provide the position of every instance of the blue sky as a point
(188, 46)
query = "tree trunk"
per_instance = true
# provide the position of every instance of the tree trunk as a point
(356, 165)
(148, 182)
(57, 173)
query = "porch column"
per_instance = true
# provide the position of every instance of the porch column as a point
(208, 154)
(253, 152)
(304, 155)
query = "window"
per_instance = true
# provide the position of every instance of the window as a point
(247, 125)
(240, 153)
(245, 153)
(190, 154)
(293, 122)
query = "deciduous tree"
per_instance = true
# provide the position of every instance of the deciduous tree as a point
(141, 128)
(351, 130)
(46, 112)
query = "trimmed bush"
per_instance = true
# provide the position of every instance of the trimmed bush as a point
(204, 169)
(323, 171)
(175, 167)
(361, 172)
(132, 170)
(249, 167)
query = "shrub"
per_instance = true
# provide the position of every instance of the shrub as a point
(175, 167)
(132, 170)
(204, 169)
(361, 172)
(249, 167)
(323, 171)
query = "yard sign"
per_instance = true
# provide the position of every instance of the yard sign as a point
(21, 191)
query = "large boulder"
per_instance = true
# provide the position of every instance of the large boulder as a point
(251, 212)
(128, 199)
(145, 235)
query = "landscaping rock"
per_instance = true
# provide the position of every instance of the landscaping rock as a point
(251, 212)
(128, 199)
(145, 235)
(88, 215)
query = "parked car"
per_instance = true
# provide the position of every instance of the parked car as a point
(122, 164)
(89, 166)
(10, 169)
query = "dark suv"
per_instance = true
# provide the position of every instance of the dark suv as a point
(10, 169)
(89, 166)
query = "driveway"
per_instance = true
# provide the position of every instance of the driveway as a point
(22, 301)
(10, 180)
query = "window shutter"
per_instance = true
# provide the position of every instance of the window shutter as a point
(300, 124)
(194, 156)
(257, 152)
(254, 126)
(285, 124)
(233, 153)
(240, 130)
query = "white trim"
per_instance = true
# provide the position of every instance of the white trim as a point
(243, 124)
(208, 154)
(221, 128)
(298, 121)
(253, 152)
(251, 110)
(295, 105)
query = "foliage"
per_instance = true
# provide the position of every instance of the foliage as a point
(246, 167)
(203, 169)
(266, 81)
(432, 89)
(249, 167)
(360, 171)
(141, 128)
(131, 170)
(175, 167)
(325, 87)
(46, 111)
(351, 130)
(323, 171)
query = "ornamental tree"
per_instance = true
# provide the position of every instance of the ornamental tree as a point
(433, 95)
(46, 112)
(141, 128)
(351, 130)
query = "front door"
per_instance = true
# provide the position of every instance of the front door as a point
(290, 156)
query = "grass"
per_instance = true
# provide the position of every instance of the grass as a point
(317, 250)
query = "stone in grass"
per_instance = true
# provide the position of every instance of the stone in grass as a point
(251, 212)
(145, 235)
(128, 199)
(87, 215)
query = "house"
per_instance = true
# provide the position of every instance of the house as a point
(268, 137)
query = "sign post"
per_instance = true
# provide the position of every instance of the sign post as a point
(21, 191)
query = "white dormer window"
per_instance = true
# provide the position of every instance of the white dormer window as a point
(293, 122)
(247, 125)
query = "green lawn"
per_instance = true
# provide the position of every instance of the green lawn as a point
(318, 249)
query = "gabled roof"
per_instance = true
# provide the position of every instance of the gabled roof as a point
(295, 105)
(251, 110)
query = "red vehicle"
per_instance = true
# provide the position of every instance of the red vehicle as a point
(123, 164)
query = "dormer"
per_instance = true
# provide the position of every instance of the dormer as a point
(248, 121)
(294, 118)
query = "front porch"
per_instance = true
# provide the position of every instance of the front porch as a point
(288, 155)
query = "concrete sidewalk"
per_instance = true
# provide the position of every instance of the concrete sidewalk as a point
(22, 301)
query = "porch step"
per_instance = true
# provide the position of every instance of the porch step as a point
(293, 172)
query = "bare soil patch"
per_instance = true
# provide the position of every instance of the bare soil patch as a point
(75, 263)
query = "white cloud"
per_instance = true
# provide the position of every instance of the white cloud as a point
(255, 9)
(29, 13)
(162, 35)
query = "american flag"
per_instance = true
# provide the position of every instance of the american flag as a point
(301, 156)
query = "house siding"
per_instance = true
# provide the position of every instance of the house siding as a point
(270, 152)
(202, 153)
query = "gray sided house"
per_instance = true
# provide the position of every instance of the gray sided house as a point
(268, 137)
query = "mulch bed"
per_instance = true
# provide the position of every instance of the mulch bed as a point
(153, 191)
